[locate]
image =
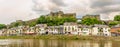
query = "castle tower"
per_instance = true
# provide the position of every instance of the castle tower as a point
(60, 13)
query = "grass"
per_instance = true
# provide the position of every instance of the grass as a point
(61, 37)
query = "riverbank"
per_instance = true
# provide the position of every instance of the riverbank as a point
(61, 37)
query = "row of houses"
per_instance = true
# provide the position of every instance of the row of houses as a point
(66, 29)
(95, 30)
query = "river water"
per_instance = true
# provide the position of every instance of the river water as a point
(56, 43)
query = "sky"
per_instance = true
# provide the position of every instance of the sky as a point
(12, 10)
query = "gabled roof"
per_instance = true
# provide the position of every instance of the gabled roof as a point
(116, 26)
(100, 26)
(86, 26)
(70, 23)
(41, 25)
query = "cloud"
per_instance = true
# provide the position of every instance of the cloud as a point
(105, 6)
(68, 6)
(102, 3)
(11, 10)
(108, 9)
(47, 5)
(58, 2)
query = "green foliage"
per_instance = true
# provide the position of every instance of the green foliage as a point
(17, 23)
(23, 23)
(50, 21)
(90, 21)
(2, 26)
(32, 24)
(113, 23)
(117, 18)
(42, 19)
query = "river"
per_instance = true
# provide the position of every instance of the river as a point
(56, 43)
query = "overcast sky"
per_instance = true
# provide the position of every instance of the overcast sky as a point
(11, 10)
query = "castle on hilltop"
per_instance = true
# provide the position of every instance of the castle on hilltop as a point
(62, 14)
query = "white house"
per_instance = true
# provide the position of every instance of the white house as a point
(86, 31)
(29, 31)
(20, 29)
(102, 30)
(106, 31)
(71, 28)
(41, 28)
(95, 31)
(52, 30)
(79, 31)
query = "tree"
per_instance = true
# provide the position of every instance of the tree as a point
(41, 20)
(55, 21)
(117, 18)
(113, 23)
(17, 23)
(91, 21)
(2, 26)
(32, 24)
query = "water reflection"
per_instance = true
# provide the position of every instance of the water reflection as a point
(56, 43)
